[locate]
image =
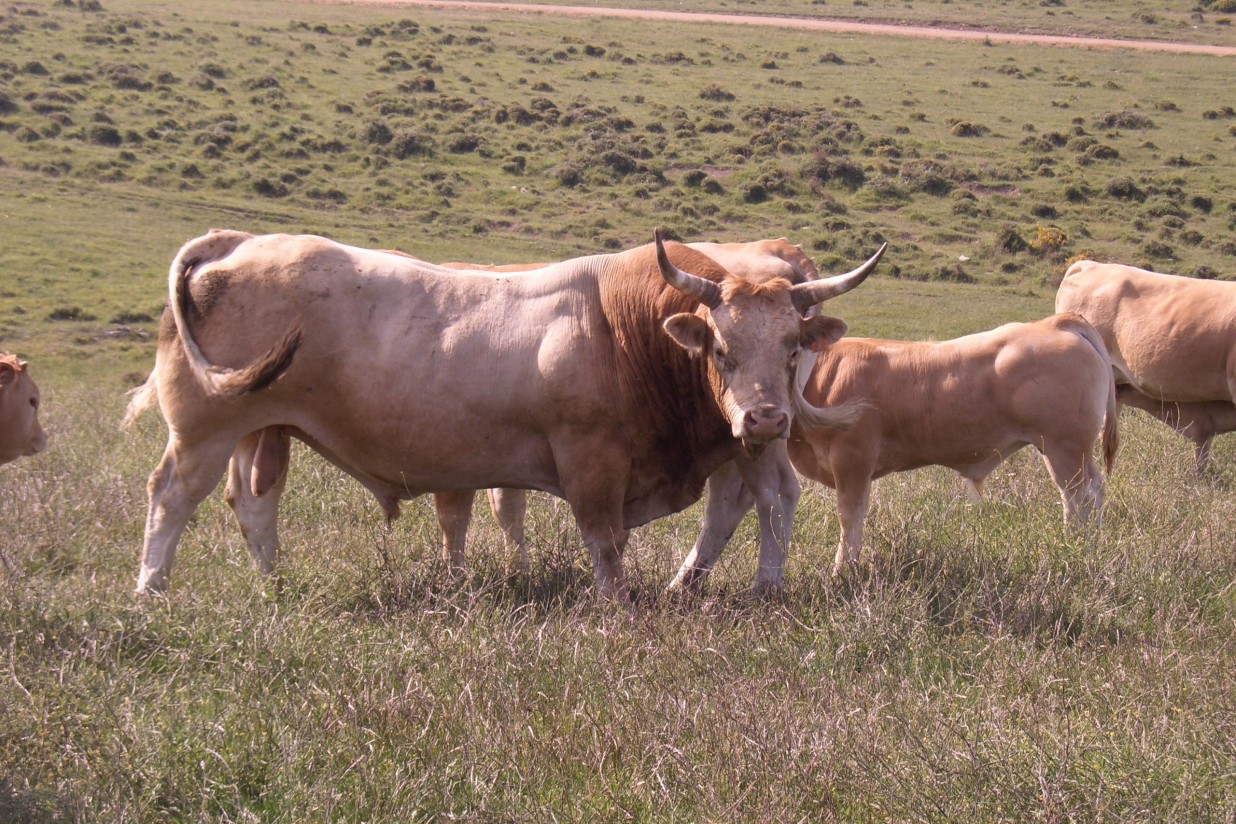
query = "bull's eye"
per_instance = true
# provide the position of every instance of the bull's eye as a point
(35, 403)
(723, 361)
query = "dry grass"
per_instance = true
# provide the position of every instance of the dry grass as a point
(987, 667)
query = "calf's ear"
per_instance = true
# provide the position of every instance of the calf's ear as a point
(822, 328)
(8, 374)
(689, 331)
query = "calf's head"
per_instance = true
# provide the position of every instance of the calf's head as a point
(751, 335)
(20, 433)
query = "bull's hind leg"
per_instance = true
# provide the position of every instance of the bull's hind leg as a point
(1077, 476)
(184, 477)
(510, 508)
(728, 502)
(454, 510)
(257, 476)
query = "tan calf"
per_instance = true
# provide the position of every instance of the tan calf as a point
(966, 404)
(20, 432)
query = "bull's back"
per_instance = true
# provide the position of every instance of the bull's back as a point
(1171, 337)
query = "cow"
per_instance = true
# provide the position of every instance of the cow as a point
(966, 404)
(20, 432)
(616, 382)
(768, 481)
(729, 497)
(1172, 342)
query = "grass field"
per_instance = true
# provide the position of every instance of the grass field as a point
(988, 667)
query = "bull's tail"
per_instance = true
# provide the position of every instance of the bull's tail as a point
(221, 380)
(842, 416)
(1111, 436)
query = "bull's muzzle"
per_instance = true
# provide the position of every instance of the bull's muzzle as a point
(765, 423)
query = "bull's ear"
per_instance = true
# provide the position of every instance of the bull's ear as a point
(689, 331)
(822, 328)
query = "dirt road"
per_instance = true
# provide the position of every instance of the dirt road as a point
(812, 24)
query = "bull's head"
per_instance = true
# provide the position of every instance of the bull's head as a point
(20, 433)
(752, 334)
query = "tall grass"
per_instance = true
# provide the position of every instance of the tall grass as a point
(987, 666)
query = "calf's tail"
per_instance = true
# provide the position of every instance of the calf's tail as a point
(841, 416)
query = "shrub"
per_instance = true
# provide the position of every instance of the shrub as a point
(1011, 241)
(1122, 188)
(1049, 238)
(405, 144)
(827, 168)
(1124, 119)
(376, 132)
(270, 188)
(463, 143)
(74, 313)
(715, 93)
(694, 177)
(754, 193)
(1158, 249)
(104, 135)
(1101, 151)
(964, 128)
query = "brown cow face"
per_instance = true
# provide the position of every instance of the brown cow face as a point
(752, 333)
(752, 340)
(20, 433)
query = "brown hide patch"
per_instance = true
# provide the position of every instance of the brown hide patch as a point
(205, 291)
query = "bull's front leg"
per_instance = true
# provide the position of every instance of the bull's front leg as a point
(727, 503)
(594, 472)
(774, 484)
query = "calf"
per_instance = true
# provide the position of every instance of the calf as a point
(20, 433)
(967, 404)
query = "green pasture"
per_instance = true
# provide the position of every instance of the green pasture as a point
(987, 667)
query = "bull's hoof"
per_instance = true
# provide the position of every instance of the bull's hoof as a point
(768, 590)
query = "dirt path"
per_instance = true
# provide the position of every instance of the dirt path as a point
(811, 24)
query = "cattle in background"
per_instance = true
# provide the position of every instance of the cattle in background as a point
(20, 432)
(617, 382)
(967, 404)
(1172, 342)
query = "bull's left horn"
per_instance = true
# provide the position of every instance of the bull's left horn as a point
(809, 294)
(705, 291)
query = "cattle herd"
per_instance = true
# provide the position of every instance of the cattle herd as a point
(625, 383)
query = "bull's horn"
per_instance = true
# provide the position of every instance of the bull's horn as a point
(809, 294)
(705, 291)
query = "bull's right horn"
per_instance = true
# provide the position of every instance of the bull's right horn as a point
(705, 291)
(809, 294)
